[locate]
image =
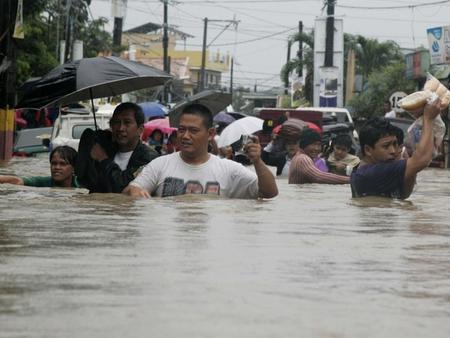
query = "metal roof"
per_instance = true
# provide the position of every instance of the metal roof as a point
(151, 27)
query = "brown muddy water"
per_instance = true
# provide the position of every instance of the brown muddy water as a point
(309, 263)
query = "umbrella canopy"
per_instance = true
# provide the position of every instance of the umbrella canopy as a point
(237, 115)
(215, 101)
(153, 110)
(224, 118)
(314, 127)
(158, 124)
(291, 129)
(245, 126)
(90, 78)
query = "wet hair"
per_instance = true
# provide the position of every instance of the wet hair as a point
(373, 130)
(199, 110)
(399, 134)
(67, 153)
(138, 113)
(307, 137)
(343, 140)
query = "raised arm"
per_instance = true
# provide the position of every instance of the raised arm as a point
(11, 180)
(266, 181)
(423, 154)
(303, 167)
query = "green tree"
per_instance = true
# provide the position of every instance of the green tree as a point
(44, 22)
(372, 55)
(380, 85)
(34, 53)
(95, 38)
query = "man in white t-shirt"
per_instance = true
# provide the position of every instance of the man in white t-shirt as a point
(118, 167)
(193, 170)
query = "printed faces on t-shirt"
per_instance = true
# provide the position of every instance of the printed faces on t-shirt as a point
(173, 186)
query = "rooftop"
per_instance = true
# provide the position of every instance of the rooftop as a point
(153, 27)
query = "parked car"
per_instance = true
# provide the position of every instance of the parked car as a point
(28, 142)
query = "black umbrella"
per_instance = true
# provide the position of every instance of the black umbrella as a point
(88, 79)
(215, 101)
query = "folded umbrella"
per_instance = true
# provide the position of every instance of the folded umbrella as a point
(245, 126)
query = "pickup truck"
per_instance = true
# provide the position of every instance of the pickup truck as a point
(70, 124)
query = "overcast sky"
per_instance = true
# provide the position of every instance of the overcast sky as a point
(259, 44)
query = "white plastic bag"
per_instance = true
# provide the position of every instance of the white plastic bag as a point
(415, 131)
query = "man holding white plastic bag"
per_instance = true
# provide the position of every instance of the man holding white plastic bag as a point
(379, 173)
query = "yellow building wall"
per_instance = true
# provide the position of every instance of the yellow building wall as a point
(150, 45)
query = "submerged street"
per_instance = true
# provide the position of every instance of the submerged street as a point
(312, 263)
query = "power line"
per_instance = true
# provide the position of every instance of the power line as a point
(256, 39)
(395, 7)
(230, 1)
(259, 19)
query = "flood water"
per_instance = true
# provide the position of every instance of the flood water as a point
(310, 263)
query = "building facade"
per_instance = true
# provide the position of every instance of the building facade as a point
(145, 45)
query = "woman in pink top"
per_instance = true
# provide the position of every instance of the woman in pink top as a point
(303, 170)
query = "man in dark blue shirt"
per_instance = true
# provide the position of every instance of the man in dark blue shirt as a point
(379, 173)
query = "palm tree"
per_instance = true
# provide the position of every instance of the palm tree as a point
(371, 55)
(308, 62)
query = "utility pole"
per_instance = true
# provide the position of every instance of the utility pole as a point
(58, 19)
(350, 75)
(202, 79)
(165, 42)
(231, 75)
(202, 70)
(329, 39)
(118, 9)
(8, 12)
(68, 30)
(117, 34)
(300, 50)
(288, 58)
(7, 53)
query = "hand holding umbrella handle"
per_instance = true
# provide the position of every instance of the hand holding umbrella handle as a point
(98, 153)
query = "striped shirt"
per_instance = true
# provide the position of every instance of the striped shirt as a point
(302, 170)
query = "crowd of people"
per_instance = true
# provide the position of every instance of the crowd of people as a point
(189, 162)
